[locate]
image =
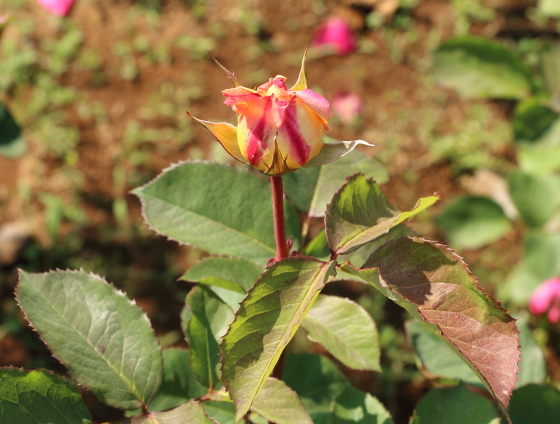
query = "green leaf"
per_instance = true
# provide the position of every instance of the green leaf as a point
(265, 322)
(334, 151)
(318, 247)
(533, 364)
(531, 120)
(535, 404)
(310, 189)
(479, 68)
(433, 283)
(457, 405)
(216, 208)
(179, 384)
(541, 159)
(534, 196)
(549, 8)
(519, 286)
(353, 406)
(471, 222)
(12, 143)
(233, 274)
(38, 397)
(278, 403)
(222, 412)
(360, 256)
(191, 413)
(542, 156)
(440, 360)
(323, 382)
(346, 330)
(540, 254)
(550, 65)
(104, 339)
(208, 323)
(436, 357)
(359, 213)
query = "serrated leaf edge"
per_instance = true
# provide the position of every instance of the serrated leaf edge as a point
(460, 260)
(349, 301)
(277, 356)
(136, 191)
(118, 291)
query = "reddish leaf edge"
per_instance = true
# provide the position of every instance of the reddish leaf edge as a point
(502, 405)
(284, 260)
(73, 379)
(336, 253)
(136, 192)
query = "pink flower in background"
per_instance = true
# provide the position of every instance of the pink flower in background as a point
(4, 20)
(336, 34)
(546, 298)
(57, 7)
(348, 106)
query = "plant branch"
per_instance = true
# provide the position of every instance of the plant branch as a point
(282, 250)
(278, 213)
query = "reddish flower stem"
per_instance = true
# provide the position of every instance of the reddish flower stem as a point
(281, 244)
(278, 213)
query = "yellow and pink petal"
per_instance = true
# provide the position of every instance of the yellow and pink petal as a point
(226, 135)
(300, 136)
(316, 103)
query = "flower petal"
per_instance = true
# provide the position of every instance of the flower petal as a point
(226, 135)
(300, 136)
(544, 296)
(256, 128)
(316, 103)
(234, 95)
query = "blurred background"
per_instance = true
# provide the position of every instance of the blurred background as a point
(460, 97)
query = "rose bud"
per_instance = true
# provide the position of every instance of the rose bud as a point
(57, 7)
(348, 106)
(278, 130)
(546, 298)
(337, 35)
